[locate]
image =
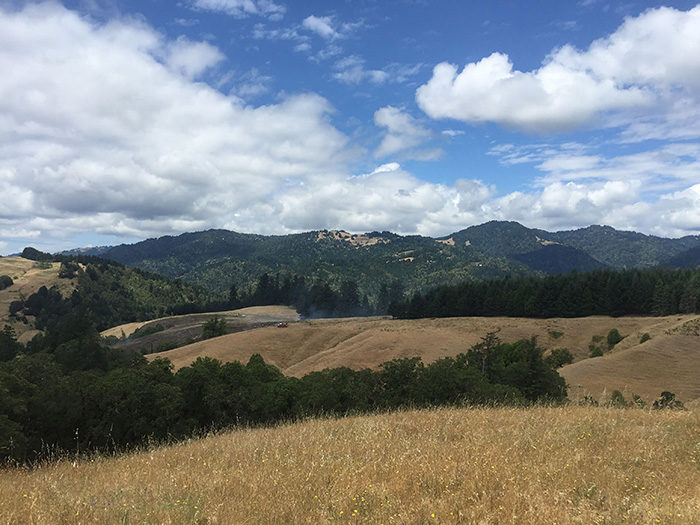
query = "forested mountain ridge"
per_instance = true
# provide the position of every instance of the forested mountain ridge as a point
(216, 259)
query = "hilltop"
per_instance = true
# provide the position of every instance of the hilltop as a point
(569, 465)
(215, 259)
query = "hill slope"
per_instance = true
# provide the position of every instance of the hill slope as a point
(508, 466)
(28, 277)
(687, 259)
(360, 343)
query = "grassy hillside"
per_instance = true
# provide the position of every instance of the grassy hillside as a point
(667, 359)
(509, 466)
(178, 330)
(110, 292)
(307, 346)
(28, 277)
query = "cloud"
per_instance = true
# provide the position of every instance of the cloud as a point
(388, 198)
(645, 70)
(192, 58)
(403, 134)
(329, 28)
(104, 130)
(252, 84)
(321, 25)
(351, 70)
(670, 167)
(653, 191)
(241, 8)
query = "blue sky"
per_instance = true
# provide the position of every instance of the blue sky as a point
(123, 120)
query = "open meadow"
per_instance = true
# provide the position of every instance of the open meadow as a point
(580, 465)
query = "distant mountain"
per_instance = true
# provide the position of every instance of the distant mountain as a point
(556, 258)
(624, 249)
(687, 259)
(217, 259)
(501, 238)
(96, 251)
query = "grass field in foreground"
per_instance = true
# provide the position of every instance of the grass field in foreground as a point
(496, 466)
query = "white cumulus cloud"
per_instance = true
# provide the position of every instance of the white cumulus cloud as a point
(321, 25)
(403, 133)
(99, 132)
(649, 63)
(192, 58)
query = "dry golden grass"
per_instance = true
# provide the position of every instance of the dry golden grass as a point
(252, 314)
(28, 278)
(666, 362)
(503, 465)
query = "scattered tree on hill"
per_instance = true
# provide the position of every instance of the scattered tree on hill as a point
(614, 337)
(68, 270)
(596, 351)
(35, 255)
(214, 327)
(559, 357)
(667, 400)
(5, 281)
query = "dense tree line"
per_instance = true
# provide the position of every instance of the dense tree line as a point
(66, 392)
(317, 298)
(656, 291)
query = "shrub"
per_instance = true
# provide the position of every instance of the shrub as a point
(110, 340)
(638, 401)
(596, 351)
(16, 306)
(5, 281)
(588, 401)
(166, 345)
(668, 400)
(645, 337)
(617, 400)
(68, 270)
(554, 334)
(214, 327)
(559, 357)
(147, 330)
(614, 337)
